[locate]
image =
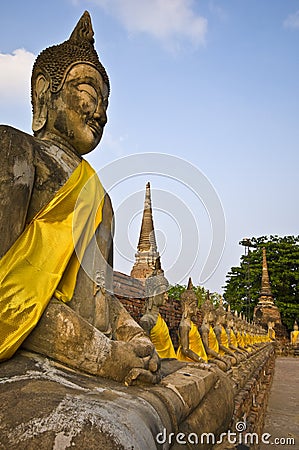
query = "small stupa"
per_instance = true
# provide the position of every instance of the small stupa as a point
(266, 311)
(147, 252)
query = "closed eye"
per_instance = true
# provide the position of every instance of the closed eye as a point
(90, 90)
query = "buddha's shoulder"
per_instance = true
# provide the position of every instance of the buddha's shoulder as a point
(16, 142)
(9, 131)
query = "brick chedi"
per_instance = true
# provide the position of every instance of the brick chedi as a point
(147, 252)
(265, 311)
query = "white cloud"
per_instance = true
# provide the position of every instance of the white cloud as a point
(166, 20)
(292, 21)
(15, 73)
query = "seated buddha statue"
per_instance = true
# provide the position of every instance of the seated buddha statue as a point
(191, 347)
(221, 334)
(232, 338)
(208, 335)
(237, 328)
(295, 335)
(156, 287)
(56, 223)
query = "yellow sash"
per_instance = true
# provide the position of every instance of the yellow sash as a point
(42, 262)
(195, 344)
(294, 336)
(224, 340)
(161, 339)
(213, 343)
(233, 339)
(240, 339)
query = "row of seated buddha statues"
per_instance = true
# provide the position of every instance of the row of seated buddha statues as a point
(223, 340)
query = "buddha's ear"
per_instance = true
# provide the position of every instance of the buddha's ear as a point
(41, 95)
(150, 303)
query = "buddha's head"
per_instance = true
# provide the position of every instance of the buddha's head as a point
(189, 301)
(229, 318)
(70, 90)
(221, 313)
(156, 287)
(208, 310)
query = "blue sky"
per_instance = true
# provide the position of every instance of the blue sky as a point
(214, 83)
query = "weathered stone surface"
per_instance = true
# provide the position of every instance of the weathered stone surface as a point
(46, 405)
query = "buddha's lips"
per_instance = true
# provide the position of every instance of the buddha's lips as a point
(95, 126)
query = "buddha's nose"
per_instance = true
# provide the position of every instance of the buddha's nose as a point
(100, 115)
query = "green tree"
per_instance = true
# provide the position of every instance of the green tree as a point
(201, 294)
(243, 283)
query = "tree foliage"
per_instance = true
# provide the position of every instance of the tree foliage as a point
(201, 294)
(243, 283)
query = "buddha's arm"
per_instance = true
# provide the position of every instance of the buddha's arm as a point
(226, 350)
(210, 352)
(205, 339)
(217, 331)
(123, 326)
(63, 335)
(147, 322)
(184, 330)
(16, 182)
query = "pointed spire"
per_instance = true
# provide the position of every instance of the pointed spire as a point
(266, 293)
(147, 258)
(266, 288)
(190, 284)
(147, 239)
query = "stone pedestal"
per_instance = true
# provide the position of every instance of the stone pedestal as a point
(47, 406)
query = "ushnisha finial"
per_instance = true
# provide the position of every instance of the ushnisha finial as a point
(190, 284)
(83, 30)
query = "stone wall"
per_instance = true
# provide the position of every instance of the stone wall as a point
(252, 382)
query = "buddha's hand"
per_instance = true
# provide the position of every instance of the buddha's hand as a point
(150, 372)
(132, 362)
(145, 349)
(142, 376)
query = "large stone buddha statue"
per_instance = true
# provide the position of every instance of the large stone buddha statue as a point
(56, 226)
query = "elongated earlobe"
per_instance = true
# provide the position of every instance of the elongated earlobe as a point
(150, 303)
(40, 100)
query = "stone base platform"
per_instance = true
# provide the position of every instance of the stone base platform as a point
(45, 405)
